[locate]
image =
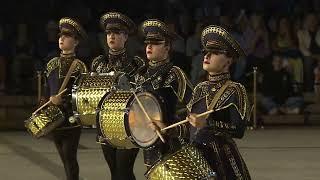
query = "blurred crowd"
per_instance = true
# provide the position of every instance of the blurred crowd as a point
(280, 38)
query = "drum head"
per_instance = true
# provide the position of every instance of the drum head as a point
(141, 133)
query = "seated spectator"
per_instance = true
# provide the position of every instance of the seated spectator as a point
(193, 51)
(309, 45)
(279, 93)
(285, 44)
(259, 45)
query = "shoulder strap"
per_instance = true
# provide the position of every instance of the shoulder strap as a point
(217, 96)
(67, 78)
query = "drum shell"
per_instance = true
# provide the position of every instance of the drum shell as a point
(45, 121)
(122, 125)
(112, 120)
(186, 163)
(88, 92)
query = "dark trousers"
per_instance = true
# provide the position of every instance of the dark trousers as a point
(67, 142)
(120, 161)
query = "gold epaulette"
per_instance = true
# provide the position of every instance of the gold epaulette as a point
(179, 88)
(95, 62)
(81, 67)
(241, 103)
(199, 92)
(52, 64)
(140, 61)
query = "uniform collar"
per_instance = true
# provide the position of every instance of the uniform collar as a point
(219, 77)
(70, 55)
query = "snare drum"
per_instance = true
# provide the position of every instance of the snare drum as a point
(123, 124)
(186, 163)
(89, 90)
(45, 121)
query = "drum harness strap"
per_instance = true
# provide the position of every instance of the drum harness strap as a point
(67, 78)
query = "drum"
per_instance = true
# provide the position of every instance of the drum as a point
(88, 91)
(186, 163)
(45, 121)
(123, 124)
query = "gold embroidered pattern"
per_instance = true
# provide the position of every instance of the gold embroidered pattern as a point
(117, 15)
(158, 63)
(155, 23)
(73, 24)
(98, 65)
(81, 67)
(233, 162)
(141, 63)
(204, 90)
(177, 74)
(52, 65)
(221, 172)
(224, 125)
(242, 100)
(222, 32)
(199, 92)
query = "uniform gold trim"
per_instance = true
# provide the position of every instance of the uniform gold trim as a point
(74, 24)
(178, 74)
(222, 32)
(52, 64)
(158, 24)
(55, 63)
(141, 63)
(202, 90)
(116, 15)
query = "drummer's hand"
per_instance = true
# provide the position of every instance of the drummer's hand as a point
(156, 126)
(56, 100)
(198, 122)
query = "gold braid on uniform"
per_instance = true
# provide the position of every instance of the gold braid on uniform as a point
(99, 65)
(199, 92)
(241, 105)
(180, 88)
(80, 68)
(141, 63)
(52, 65)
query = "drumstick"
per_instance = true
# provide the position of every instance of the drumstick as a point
(146, 114)
(44, 105)
(68, 75)
(39, 85)
(185, 121)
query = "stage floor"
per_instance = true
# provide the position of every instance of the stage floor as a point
(271, 154)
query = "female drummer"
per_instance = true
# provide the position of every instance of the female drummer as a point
(213, 133)
(117, 27)
(66, 137)
(167, 82)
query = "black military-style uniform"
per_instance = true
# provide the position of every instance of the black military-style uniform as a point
(170, 85)
(231, 111)
(66, 137)
(120, 161)
(118, 62)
